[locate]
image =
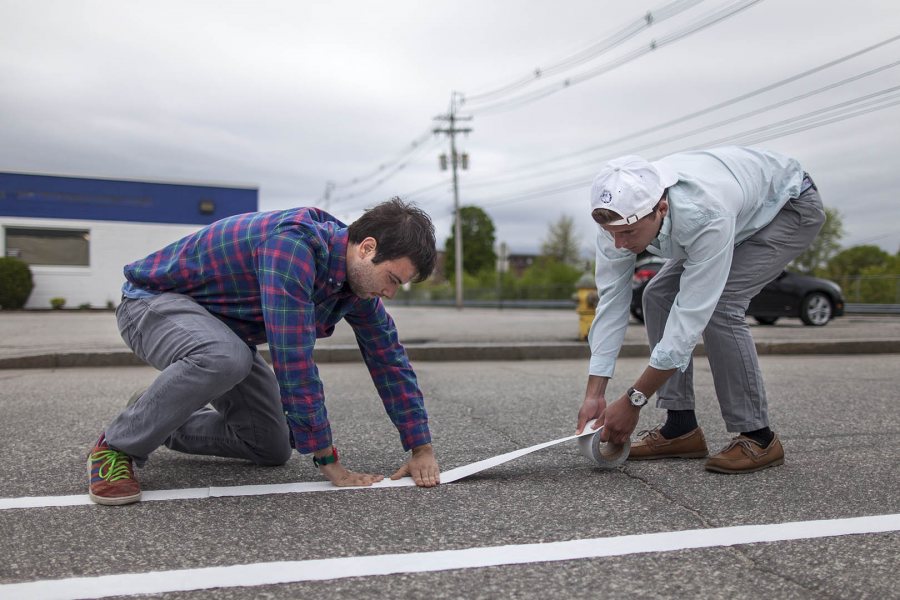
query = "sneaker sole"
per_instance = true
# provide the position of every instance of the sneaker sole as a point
(117, 501)
(659, 456)
(715, 469)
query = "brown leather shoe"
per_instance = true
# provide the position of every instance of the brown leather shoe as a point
(743, 455)
(653, 445)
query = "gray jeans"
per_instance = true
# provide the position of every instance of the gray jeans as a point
(727, 340)
(202, 363)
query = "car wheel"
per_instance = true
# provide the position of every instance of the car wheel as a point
(816, 309)
(638, 314)
(766, 320)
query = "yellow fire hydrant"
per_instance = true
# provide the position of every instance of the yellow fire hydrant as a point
(586, 299)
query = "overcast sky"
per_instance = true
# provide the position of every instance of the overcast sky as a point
(287, 96)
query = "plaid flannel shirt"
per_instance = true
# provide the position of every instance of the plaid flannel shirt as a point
(281, 277)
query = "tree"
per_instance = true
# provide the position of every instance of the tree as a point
(548, 278)
(562, 243)
(16, 283)
(813, 260)
(851, 266)
(881, 283)
(478, 243)
(852, 261)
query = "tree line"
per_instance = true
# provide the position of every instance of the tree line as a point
(865, 272)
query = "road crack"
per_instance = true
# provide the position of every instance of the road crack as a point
(736, 551)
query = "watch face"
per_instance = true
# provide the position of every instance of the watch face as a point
(637, 398)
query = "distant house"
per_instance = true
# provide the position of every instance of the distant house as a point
(515, 264)
(77, 233)
(519, 262)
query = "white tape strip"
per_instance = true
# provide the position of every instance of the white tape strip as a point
(324, 486)
(161, 582)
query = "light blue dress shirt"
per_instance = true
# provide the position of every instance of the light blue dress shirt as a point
(723, 196)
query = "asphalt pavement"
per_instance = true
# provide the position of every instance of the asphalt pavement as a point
(836, 415)
(495, 534)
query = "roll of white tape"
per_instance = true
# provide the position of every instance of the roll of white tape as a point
(606, 455)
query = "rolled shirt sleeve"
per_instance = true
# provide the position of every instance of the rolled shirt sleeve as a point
(615, 269)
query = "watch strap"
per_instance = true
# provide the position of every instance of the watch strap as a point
(327, 459)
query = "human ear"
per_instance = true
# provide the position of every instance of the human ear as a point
(663, 207)
(368, 246)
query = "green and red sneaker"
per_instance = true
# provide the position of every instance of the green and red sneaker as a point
(111, 475)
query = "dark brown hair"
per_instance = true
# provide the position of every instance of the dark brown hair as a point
(402, 230)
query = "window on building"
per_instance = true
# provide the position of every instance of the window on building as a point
(66, 247)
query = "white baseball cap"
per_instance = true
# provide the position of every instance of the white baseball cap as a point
(630, 186)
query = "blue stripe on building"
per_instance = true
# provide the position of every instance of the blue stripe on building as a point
(54, 197)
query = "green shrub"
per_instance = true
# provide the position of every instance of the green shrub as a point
(16, 283)
(57, 303)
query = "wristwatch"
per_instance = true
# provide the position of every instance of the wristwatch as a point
(327, 459)
(637, 399)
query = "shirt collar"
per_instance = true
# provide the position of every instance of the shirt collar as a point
(661, 241)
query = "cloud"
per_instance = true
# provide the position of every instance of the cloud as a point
(288, 96)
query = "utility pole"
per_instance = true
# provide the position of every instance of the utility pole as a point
(451, 130)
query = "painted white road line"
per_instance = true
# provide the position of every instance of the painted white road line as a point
(250, 575)
(323, 486)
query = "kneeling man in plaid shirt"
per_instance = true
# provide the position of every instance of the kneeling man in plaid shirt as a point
(197, 309)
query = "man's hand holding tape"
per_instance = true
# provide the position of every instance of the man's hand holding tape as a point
(619, 418)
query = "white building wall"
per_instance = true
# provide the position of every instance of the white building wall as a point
(113, 244)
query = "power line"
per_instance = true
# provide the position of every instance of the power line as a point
(695, 114)
(664, 13)
(697, 130)
(714, 107)
(791, 126)
(714, 125)
(393, 171)
(699, 25)
(411, 148)
(841, 111)
(594, 50)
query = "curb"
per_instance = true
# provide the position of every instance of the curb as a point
(463, 352)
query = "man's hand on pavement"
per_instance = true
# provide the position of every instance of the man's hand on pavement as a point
(422, 467)
(620, 420)
(341, 477)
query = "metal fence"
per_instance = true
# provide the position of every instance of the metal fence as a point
(879, 294)
(871, 289)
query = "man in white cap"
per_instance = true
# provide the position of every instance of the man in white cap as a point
(729, 220)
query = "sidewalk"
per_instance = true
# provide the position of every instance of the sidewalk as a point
(51, 339)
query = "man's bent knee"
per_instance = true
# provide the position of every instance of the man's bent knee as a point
(230, 361)
(273, 456)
